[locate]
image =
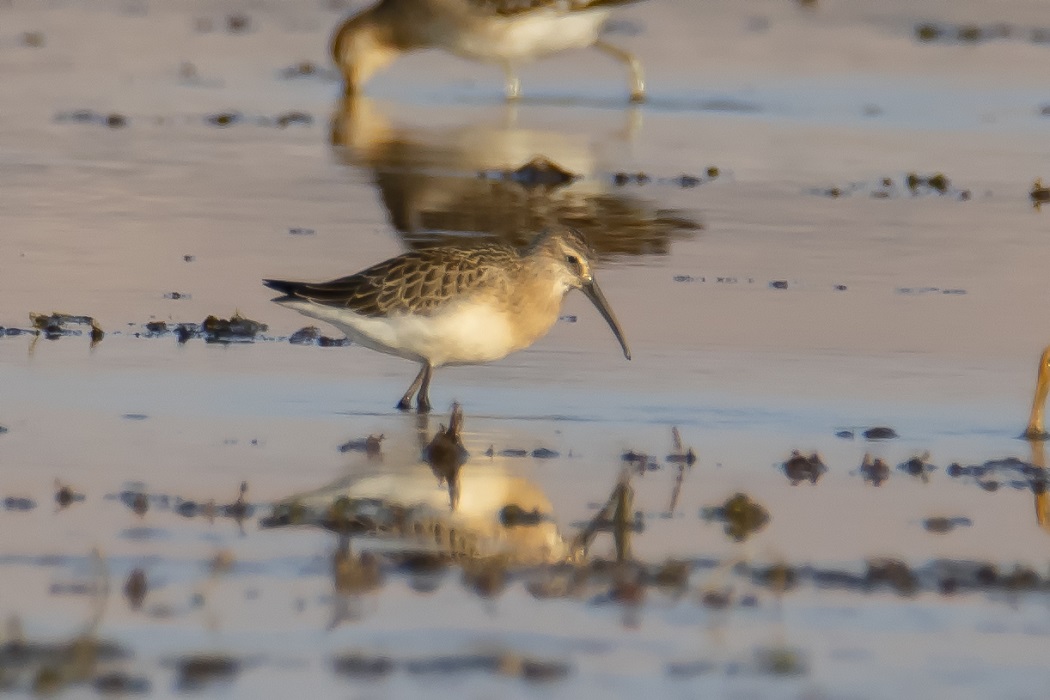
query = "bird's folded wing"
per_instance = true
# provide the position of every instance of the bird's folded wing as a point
(418, 282)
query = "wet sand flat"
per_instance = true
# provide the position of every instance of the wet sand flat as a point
(819, 223)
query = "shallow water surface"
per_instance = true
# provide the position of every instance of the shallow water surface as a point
(772, 233)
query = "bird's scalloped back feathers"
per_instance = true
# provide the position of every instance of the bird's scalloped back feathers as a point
(417, 282)
(517, 7)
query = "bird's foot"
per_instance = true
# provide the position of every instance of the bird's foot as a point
(404, 405)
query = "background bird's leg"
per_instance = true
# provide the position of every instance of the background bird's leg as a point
(635, 66)
(513, 84)
(423, 400)
(406, 401)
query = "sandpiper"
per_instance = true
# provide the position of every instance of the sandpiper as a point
(1036, 428)
(505, 32)
(454, 305)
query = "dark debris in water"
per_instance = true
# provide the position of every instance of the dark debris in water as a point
(918, 466)
(238, 23)
(235, 329)
(371, 445)
(639, 462)
(365, 666)
(139, 501)
(33, 39)
(683, 181)
(1039, 194)
(307, 335)
(917, 291)
(121, 683)
(66, 495)
(1014, 472)
(875, 471)
(197, 671)
(681, 455)
(909, 185)
(880, 432)
(135, 588)
(799, 468)
(540, 173)
(311, 335)
(742, 516)
(307, 69)
(55, 325)
(19, 503)
(113, 120)
(224, 120)
(46, 668)
(774, 284)
(518, 453)
(293, 118)
(940, 524)
(362, 666)
(969, 33)
(945, 576)
(238, 510)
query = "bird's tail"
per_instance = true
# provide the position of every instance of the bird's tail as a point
(284, 287)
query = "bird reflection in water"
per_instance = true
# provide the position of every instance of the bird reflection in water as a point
(1042, 502)
(1036, 435)
(401, 504)
(478, 515)
(463, 184)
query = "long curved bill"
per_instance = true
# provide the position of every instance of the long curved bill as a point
(594, 293)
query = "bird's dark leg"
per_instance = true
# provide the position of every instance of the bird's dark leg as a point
(406, 401)
(423, 400)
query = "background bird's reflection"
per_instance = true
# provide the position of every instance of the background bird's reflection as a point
(456, 184)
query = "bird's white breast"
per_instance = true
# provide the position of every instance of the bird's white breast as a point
(529, 35)
(466, 332)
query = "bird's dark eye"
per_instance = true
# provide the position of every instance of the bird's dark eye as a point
(572, 260)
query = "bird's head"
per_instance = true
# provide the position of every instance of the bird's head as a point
(571, 258)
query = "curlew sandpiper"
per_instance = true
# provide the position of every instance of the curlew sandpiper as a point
(507, 33)
(452, 305)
